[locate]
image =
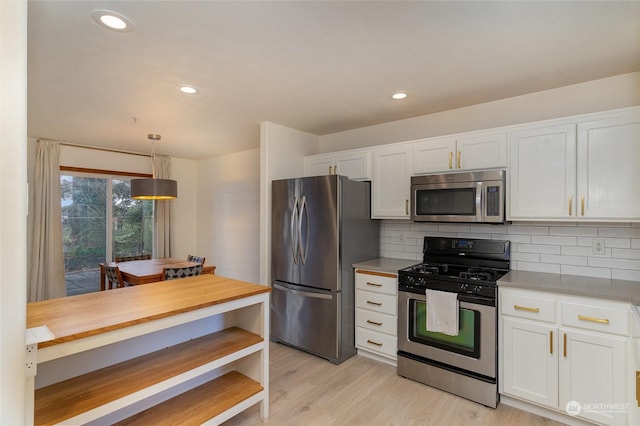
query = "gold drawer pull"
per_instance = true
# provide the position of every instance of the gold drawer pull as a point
(592, 319)
(373, 322)
(374, 303)
(526, 308)
(570, 205)
(459, 155)
(551, 342)
(450, 160)
(374, 343)
(374, 284)
(582, 204)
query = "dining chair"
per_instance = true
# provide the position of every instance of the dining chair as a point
(192, 258)
(119, 259)
(110, 277)
(169, 273)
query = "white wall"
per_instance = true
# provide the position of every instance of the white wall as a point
(184, 232)
(598, 95)
(13, 208)
(228, 211)
(560, 248)
(282, 151)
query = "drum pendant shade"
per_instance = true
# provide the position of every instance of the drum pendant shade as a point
(154, 189)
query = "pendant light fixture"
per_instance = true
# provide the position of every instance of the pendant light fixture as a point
(154, 189)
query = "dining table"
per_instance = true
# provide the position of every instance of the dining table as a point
(147, 271)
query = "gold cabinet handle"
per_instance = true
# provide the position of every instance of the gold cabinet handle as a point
(374, 284)
(551, 342)
(369, 302)
(564, 350)
(335, 170)
(526, 308)
(592, 319)
(374, 342)
(459, 155)
(450, 160)
(638, 387)
(373, 322)
(406, 207)
(570, 205)
(329, 169)
(582, 205)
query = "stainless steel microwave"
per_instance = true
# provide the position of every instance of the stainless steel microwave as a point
(459, 197)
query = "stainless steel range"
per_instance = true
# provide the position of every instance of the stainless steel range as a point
(464, 364)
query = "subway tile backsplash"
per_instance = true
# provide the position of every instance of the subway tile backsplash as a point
(556, 247)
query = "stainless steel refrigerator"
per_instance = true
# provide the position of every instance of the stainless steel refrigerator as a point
(320, 226)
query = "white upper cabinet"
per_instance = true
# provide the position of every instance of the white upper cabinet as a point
(467, 152)
(391, 183)
(482, 151)
(543, 173)
(318, 165)
(609, 168)
(586, 170)
(355, 165)
(433, 155)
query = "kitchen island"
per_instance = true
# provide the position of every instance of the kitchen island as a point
(196, 345)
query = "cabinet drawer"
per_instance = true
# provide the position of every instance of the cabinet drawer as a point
(377, 342)
(380, 282)
(530, 306)
(384, 303)
(597, 318)
(376, 321)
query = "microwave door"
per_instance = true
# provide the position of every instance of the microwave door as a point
(450, 202)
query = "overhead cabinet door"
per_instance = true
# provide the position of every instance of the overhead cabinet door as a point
(543, 173)
(609, 168)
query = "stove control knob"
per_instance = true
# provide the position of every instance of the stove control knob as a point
(464, 287)
(476, 289)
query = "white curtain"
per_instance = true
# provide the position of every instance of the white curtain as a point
(46, 272)
(162, 224)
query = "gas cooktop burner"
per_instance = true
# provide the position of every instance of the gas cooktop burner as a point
(480, 274)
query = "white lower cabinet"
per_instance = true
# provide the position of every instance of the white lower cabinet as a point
(377, 315)
(530, 361)
(592, 372)
(566, 353)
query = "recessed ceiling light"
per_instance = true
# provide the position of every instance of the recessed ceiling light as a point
(190, 90)
(112, 21)
(399, 95)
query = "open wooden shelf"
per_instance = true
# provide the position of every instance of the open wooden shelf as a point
(199, 404)
(69, 398)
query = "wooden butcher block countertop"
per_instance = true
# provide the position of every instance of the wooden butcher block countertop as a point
(77, 317)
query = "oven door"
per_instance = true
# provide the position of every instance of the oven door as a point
(447, 202)
(473, 349)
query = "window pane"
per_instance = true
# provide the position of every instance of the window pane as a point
(84, 233)
(132, 223)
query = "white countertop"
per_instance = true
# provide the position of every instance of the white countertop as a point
(627, 291)
(385, 264)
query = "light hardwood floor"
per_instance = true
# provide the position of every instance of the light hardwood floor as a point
(306, 390)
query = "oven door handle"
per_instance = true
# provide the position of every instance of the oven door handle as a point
(481, 300)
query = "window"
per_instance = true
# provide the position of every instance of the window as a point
(100, 221)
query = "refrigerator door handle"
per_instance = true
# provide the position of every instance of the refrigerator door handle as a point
(294, 237)
(304, 293)
(305, 211)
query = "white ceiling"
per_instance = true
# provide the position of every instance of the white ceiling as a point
(320, 67)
